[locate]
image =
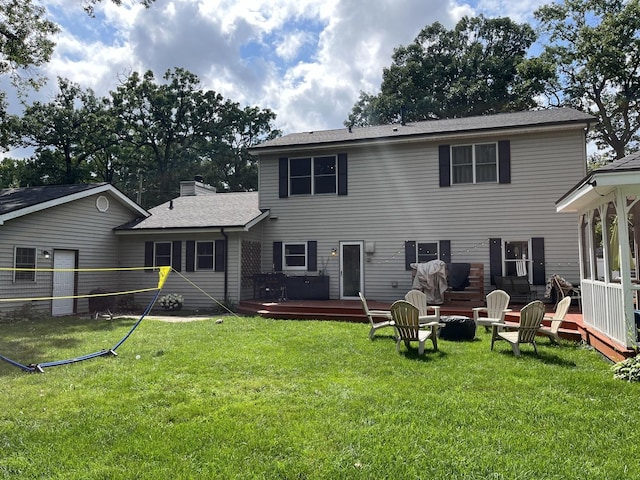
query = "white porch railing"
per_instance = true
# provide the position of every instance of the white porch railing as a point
(603, 305)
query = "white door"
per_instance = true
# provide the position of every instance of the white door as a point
(351, 271)
(63, 282)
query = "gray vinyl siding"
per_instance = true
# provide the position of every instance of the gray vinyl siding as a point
(394, 195)
(209, 284)
(76, 226)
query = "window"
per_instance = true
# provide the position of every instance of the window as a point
(25, 258)
(295, 256)
(313, 176)
(474, 163)
(162, 254)
(204, 256)
(516, 258)
(427, 252)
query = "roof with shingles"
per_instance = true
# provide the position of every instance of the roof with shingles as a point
(546, 117)
(18, 202)
(629, 162)
(12, 199)
(215, 210)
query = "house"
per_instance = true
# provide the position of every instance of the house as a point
(213, 242)
(361, 204)
(340, 211)
(609, 277)
(61, 227)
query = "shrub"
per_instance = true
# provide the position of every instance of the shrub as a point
(172, 301)
(628, 369)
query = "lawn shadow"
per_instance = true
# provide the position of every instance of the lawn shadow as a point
(542, 355)
(31, 342)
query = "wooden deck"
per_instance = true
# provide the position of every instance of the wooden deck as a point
(351, 311)
(573, 328)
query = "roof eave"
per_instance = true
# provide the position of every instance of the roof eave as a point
(421, 137)
(595, 186)
(194, 230)
(74, 196)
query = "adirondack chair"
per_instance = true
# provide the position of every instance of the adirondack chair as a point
(556, 320)
(407, 325)
(497, 306)
(426, 313)
(372, 315)
(525, 332)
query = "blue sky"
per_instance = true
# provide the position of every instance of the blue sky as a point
(307, 60)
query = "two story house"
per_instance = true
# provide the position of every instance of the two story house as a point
(354, 206)
(361, 204)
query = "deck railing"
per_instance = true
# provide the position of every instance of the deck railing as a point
(603, 305)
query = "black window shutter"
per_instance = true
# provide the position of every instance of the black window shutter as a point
(409, 254)
(444, 162)
(495, 259)
(445, 251)
(190, 256)
(283, 177)
(176, 256)
(504, 161)
(342, 174)
(220, 256)
(277, 256)
(537, 257)
(312, 255)
(148, 255)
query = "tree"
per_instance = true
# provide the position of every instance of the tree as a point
(26, 42)
(596, 47)
(24, 36)
(175, 130)
(89, 5)
(479, 67)
(66, 134)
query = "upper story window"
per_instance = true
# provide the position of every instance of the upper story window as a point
(474, 163)
(25, 258)
(313, 175)
(295, 256)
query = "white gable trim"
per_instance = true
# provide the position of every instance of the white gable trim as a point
(70, 198)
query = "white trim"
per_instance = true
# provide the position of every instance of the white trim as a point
(72, 197)
(304, 267)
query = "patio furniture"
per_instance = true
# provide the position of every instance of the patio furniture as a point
(270, 286)
(525, 332)
(556, 320)
(497, 303)
(457, 327)
(373, 314)
(565, 289)
(407, 326)
(419, 300)
(518, 288)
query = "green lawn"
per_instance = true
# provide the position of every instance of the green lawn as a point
(256, 398)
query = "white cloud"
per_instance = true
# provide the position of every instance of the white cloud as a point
(305, 59)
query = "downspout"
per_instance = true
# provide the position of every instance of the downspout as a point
(226, 263)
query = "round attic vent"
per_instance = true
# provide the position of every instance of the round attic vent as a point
(102, 203)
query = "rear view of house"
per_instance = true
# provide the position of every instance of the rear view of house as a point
(470, 190)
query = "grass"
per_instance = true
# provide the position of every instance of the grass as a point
(256, 398)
